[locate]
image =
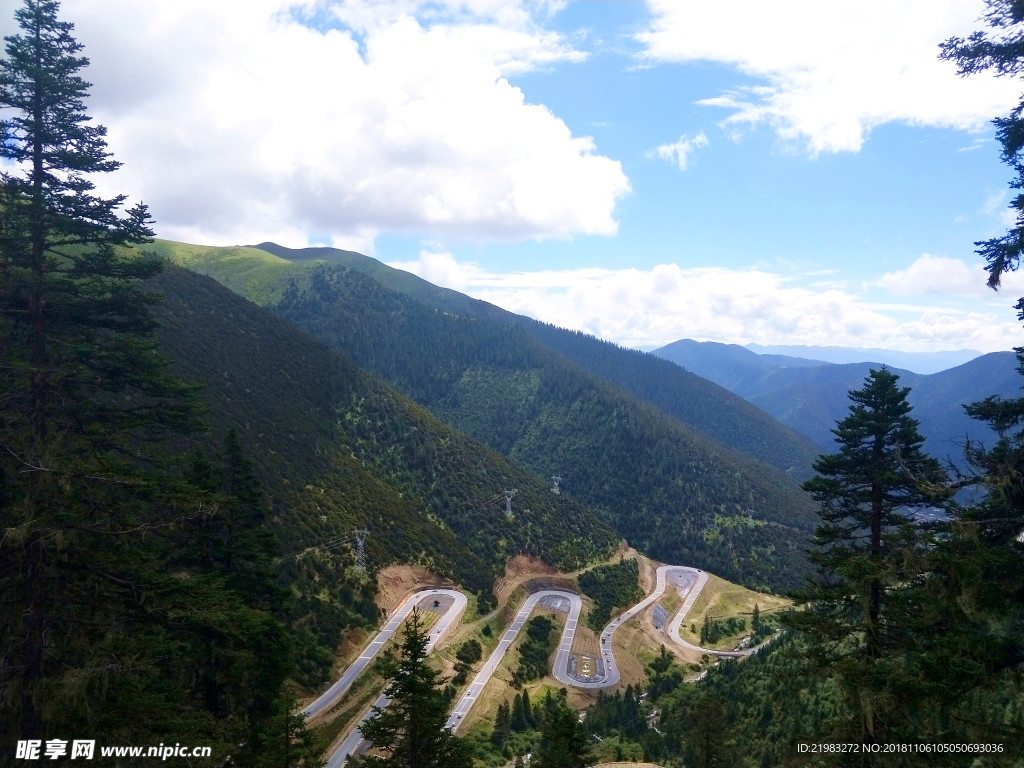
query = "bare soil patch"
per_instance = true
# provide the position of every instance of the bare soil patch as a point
(397, 581)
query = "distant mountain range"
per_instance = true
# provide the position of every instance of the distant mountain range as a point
(810, 396)
(918, 362)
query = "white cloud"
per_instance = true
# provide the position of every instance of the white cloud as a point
(441, 268)
(938, 275)
(236, 123)
(830, 72)
(635, 307)
(678, 152)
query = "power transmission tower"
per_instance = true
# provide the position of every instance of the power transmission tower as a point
(555, 480)
(508, 502)
(360, 534)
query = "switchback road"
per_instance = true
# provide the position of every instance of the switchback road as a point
(561, 658)
(689, 580)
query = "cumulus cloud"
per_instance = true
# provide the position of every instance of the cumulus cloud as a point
(242, 120)
(827, 73)
(939, 275)
(639, 308)
(678, 152)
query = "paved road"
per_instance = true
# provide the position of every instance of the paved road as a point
(561, 659)
(354, 741)
(691, 597)
(611, 671)
(690, 579)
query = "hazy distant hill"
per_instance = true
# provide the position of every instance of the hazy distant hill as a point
(666, 487)
(810, 396)
(918, 362)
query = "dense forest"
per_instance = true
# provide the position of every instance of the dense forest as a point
(611, 587)
(693, 400)
(182, 552)
(666, 488)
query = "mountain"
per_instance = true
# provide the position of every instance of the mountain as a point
(667, 487)
(338, 449)
(711, 409)
(919, 362)
(811, 396)
(728, 365)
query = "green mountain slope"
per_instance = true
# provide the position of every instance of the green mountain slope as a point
(694, 400)
(338, 449)
(668, 488)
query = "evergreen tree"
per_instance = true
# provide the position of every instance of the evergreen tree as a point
(520, 722)
(125, 611)
(868, 551)
(984, 547)
(1001, 52)
(83, 393)
(529, 713)
(410, 729)
(707, 740)
(564, 742)
(502, 724)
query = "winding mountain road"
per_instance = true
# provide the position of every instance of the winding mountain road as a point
(689, 581)
(336, 691)
(561, 657)
(691, 597)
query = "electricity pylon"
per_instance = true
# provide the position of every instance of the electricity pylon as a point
(360, 534)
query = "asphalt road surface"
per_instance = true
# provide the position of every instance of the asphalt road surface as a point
(688, 601)
(561, 659)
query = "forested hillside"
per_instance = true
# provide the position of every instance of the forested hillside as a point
(338, 450)
(261, 272)
(667, 488)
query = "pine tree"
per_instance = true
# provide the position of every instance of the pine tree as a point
(520, 722)
(868, 551)
(1001, 53)
(564, 741)
(410, 729)
(83, 395)
(115, 618)
(502, 724)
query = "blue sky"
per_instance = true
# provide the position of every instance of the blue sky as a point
(781, 173)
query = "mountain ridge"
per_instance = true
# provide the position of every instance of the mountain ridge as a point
(670, 490)
(732, 422)
(337, 449)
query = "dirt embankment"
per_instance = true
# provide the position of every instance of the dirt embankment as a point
(397, 581)
(518, 570)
